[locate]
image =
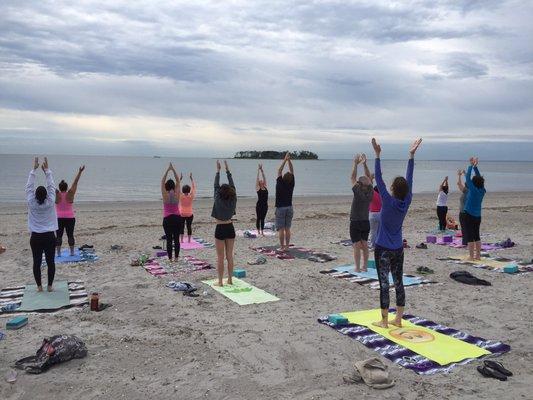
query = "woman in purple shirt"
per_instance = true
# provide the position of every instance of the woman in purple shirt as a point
(388, 251)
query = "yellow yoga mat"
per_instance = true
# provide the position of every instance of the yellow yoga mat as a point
(484, 261)
(431, 344)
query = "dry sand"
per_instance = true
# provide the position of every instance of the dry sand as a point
(157, 344)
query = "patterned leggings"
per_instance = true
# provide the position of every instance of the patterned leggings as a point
(390, 261)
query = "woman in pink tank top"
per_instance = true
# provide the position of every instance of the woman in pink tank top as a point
(66, 217)
(186, 211)
(172, 221)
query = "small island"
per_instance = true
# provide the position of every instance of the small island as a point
(276, 155)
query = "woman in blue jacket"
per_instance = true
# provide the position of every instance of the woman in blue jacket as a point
(388, 252)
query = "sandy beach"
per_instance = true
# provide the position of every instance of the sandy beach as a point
(155, 343)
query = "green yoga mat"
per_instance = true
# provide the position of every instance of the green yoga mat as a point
(34, 300)
(242, 293)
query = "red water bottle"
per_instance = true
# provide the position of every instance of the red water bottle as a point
(94, 302)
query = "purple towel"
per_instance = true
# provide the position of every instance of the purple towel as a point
(408, 358)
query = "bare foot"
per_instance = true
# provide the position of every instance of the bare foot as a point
(50, 289)
(39, 288)
(381, 324)
(396, 323)
(477, 259)
(220, 284)
(357, 270)
(364, 270)
(229, 281)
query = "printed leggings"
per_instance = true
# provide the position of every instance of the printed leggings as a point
(390, 261)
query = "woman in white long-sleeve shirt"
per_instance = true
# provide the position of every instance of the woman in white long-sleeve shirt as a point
(42, 223)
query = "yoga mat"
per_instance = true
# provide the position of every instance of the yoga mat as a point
(67, 258)
(373, 274)
(79, 256)
(267, 232)
(34, 300)
(433, 345)
(408, 358)
(484, 261)
(193, 245)
(242, 293)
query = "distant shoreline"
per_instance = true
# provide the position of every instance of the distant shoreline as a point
(275, 155)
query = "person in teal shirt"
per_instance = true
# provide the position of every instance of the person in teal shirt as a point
(474, 200)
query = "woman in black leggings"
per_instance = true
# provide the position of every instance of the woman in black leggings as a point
(261, 208)
(442, 204)
(172, 221)
(42, 223)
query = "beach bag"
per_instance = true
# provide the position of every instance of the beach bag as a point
(54, 350)
(372, 372)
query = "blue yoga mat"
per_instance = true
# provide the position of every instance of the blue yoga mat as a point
(373, 274)
(77, 257)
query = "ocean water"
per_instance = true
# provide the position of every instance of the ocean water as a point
(138, 178)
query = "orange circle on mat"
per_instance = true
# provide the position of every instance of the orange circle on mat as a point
(412, 335)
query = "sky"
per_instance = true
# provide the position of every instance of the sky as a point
(209, 78)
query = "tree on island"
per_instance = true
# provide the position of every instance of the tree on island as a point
(276, 155)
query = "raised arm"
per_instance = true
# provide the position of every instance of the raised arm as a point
(353, 176)
(228, 174)
(30, 185)
(257, 179)
(365, 166)
(383, 192)
(444, 183)
(291, 168)
(263, 174)
(217, 178)
(163, 181)
(50, 185)
(193, 185)
(74, 186)
(460, 184)
(468, 177)
(177, 179)
(285, 159)
(411, 163)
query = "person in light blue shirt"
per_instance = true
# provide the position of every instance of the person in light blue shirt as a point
(473, 202)
(42, 223)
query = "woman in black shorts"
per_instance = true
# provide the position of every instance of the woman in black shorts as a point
(223, 209)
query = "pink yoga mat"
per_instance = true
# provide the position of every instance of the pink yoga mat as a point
(191, 246)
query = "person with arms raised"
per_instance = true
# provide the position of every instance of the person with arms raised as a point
(42, 223)
(389, 250)
(284, 210)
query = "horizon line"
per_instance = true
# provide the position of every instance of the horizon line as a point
(155, 156)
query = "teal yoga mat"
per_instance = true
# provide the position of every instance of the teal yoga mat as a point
(34, 300)
(372, 274)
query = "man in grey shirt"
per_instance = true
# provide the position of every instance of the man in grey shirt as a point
(359, 224)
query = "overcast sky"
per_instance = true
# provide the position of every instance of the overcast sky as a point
(209, 78)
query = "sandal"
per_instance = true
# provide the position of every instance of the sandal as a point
(421, 246)
(498, 366)
(491, 373)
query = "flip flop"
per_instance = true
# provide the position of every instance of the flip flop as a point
(491, 373)
(498, 366)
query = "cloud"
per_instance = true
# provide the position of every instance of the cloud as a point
(303, 73)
